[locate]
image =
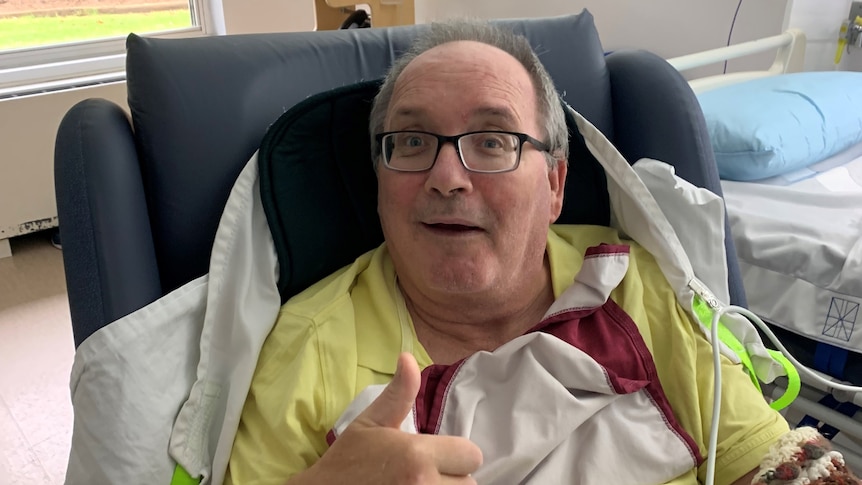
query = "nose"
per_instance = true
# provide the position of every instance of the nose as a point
(448, 176)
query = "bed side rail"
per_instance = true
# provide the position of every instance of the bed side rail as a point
(789, 58)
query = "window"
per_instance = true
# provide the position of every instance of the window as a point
(56, 44)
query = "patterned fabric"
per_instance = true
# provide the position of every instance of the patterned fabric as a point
(804, 457)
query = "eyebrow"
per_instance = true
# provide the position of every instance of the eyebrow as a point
(495, 113)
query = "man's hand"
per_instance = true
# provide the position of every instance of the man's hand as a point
(373, 450)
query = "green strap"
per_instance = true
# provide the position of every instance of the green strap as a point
(704, 314)
(182, 477)
(729, 339)
(794, 383)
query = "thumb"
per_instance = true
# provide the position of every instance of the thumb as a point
(395, 402)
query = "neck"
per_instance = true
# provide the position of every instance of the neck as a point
(458, 327)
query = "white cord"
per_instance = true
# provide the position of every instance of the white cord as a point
(801, 368)
(716, 362)
(716, 394)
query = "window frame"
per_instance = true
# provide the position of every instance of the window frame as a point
(59, 66)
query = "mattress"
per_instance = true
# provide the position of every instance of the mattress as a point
(798, 238)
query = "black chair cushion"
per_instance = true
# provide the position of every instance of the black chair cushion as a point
(319, 189)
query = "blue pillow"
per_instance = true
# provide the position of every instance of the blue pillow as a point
(778, 124)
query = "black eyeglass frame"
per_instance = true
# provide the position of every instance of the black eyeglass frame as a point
(454, 140)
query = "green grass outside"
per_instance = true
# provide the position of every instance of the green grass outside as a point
(32, 30)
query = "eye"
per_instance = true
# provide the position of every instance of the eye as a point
(492, 143)
(410, 144)
(413, 141)
(410, 140)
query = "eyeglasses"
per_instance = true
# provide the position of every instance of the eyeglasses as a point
(479, 151)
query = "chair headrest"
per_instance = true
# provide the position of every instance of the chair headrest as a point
(319, 189)
(194, 135)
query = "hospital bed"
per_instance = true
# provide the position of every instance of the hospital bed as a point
(793, 142)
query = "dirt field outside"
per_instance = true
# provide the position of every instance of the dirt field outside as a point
(12, 8)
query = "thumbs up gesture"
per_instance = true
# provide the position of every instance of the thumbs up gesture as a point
(373, 450)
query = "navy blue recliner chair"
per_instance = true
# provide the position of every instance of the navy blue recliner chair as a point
(139, 198)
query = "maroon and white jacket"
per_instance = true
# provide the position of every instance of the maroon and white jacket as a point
(577, 397)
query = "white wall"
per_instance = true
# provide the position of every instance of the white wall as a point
(667, 27)
(252, 16)
(821, 21)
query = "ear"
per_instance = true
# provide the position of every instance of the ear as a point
(557, 181)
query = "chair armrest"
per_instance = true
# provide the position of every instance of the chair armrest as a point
(657, 115)
(108, 249)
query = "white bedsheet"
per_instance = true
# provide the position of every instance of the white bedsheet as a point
(799, 243)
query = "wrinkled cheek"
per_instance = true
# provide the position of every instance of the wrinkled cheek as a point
(388, 213)
(523, 238)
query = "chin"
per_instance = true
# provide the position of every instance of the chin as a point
(459, 280)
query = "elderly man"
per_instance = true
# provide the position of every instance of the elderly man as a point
(471, 149)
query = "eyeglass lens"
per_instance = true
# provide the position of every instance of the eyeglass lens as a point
(481, 152)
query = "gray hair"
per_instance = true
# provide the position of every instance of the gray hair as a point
(550, 110)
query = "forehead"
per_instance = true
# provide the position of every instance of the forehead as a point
(464, 81)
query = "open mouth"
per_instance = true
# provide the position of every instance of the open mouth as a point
(452, 228)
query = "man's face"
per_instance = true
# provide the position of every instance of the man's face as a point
(451, 231)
